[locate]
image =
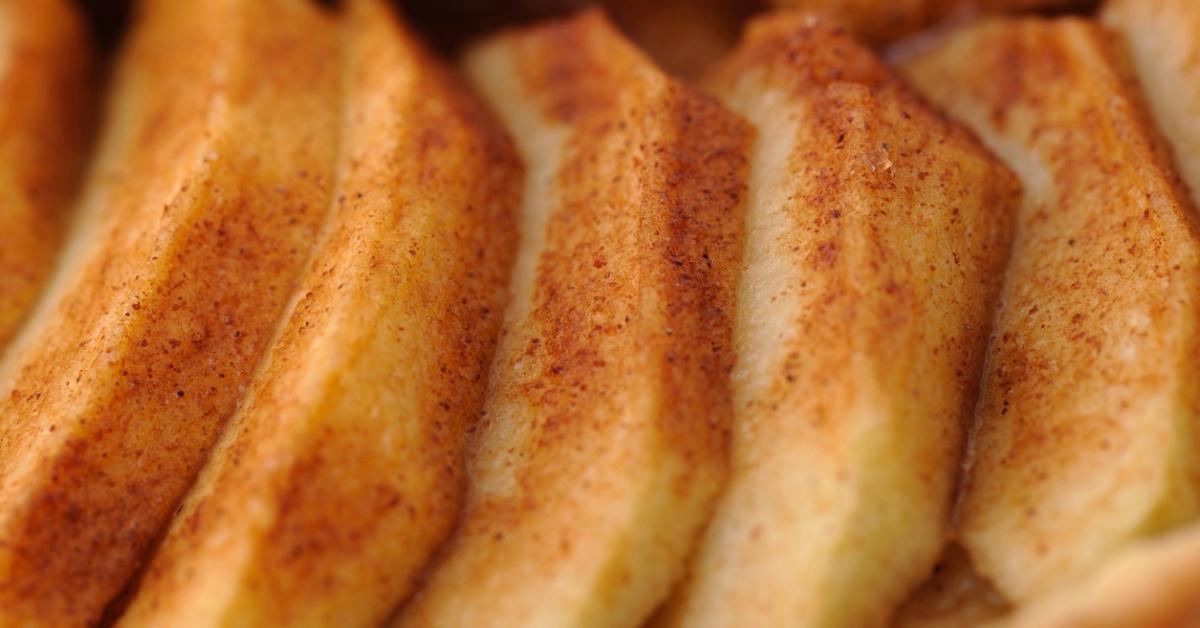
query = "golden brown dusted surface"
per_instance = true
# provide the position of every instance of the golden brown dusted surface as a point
(1153, 582)
(213, 176)
(885, 20)
(876, 240)
(1086, 436)
(343, 469)
(603, 443)
(46, 89)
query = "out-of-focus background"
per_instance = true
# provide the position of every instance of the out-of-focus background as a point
(683, 35)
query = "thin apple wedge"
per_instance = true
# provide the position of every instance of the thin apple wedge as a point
(881, 21)
(876, 241)
(603, 444)
(1162, 38)
(1086, 435)
(46, 89)
(212, 179)
(342, 470)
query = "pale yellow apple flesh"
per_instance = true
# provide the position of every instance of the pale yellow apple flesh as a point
(342, 470)
(213, 176)
(1162, 38)
(876, 241)
(1086, 435)
(1151, 583)
(603, 444)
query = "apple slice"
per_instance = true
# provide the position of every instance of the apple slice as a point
(1162, 38)
(1086, 435)
(1151, 582)
(603, 444)
(46, 65)
(886, 20)
(212, 179)
(342, 470)
(876, 242)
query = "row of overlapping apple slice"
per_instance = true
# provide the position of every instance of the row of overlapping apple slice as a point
(847, 243)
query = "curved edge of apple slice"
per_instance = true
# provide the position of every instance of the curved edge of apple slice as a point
(602, 447)
(213, 177)
(47, 78)
(342, 471)
(878, 232)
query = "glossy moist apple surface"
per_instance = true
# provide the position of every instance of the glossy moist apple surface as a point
(876, 241)
(603, 442)
(213, 176)
(1086, 436)
(46, 86)
(342, 470)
